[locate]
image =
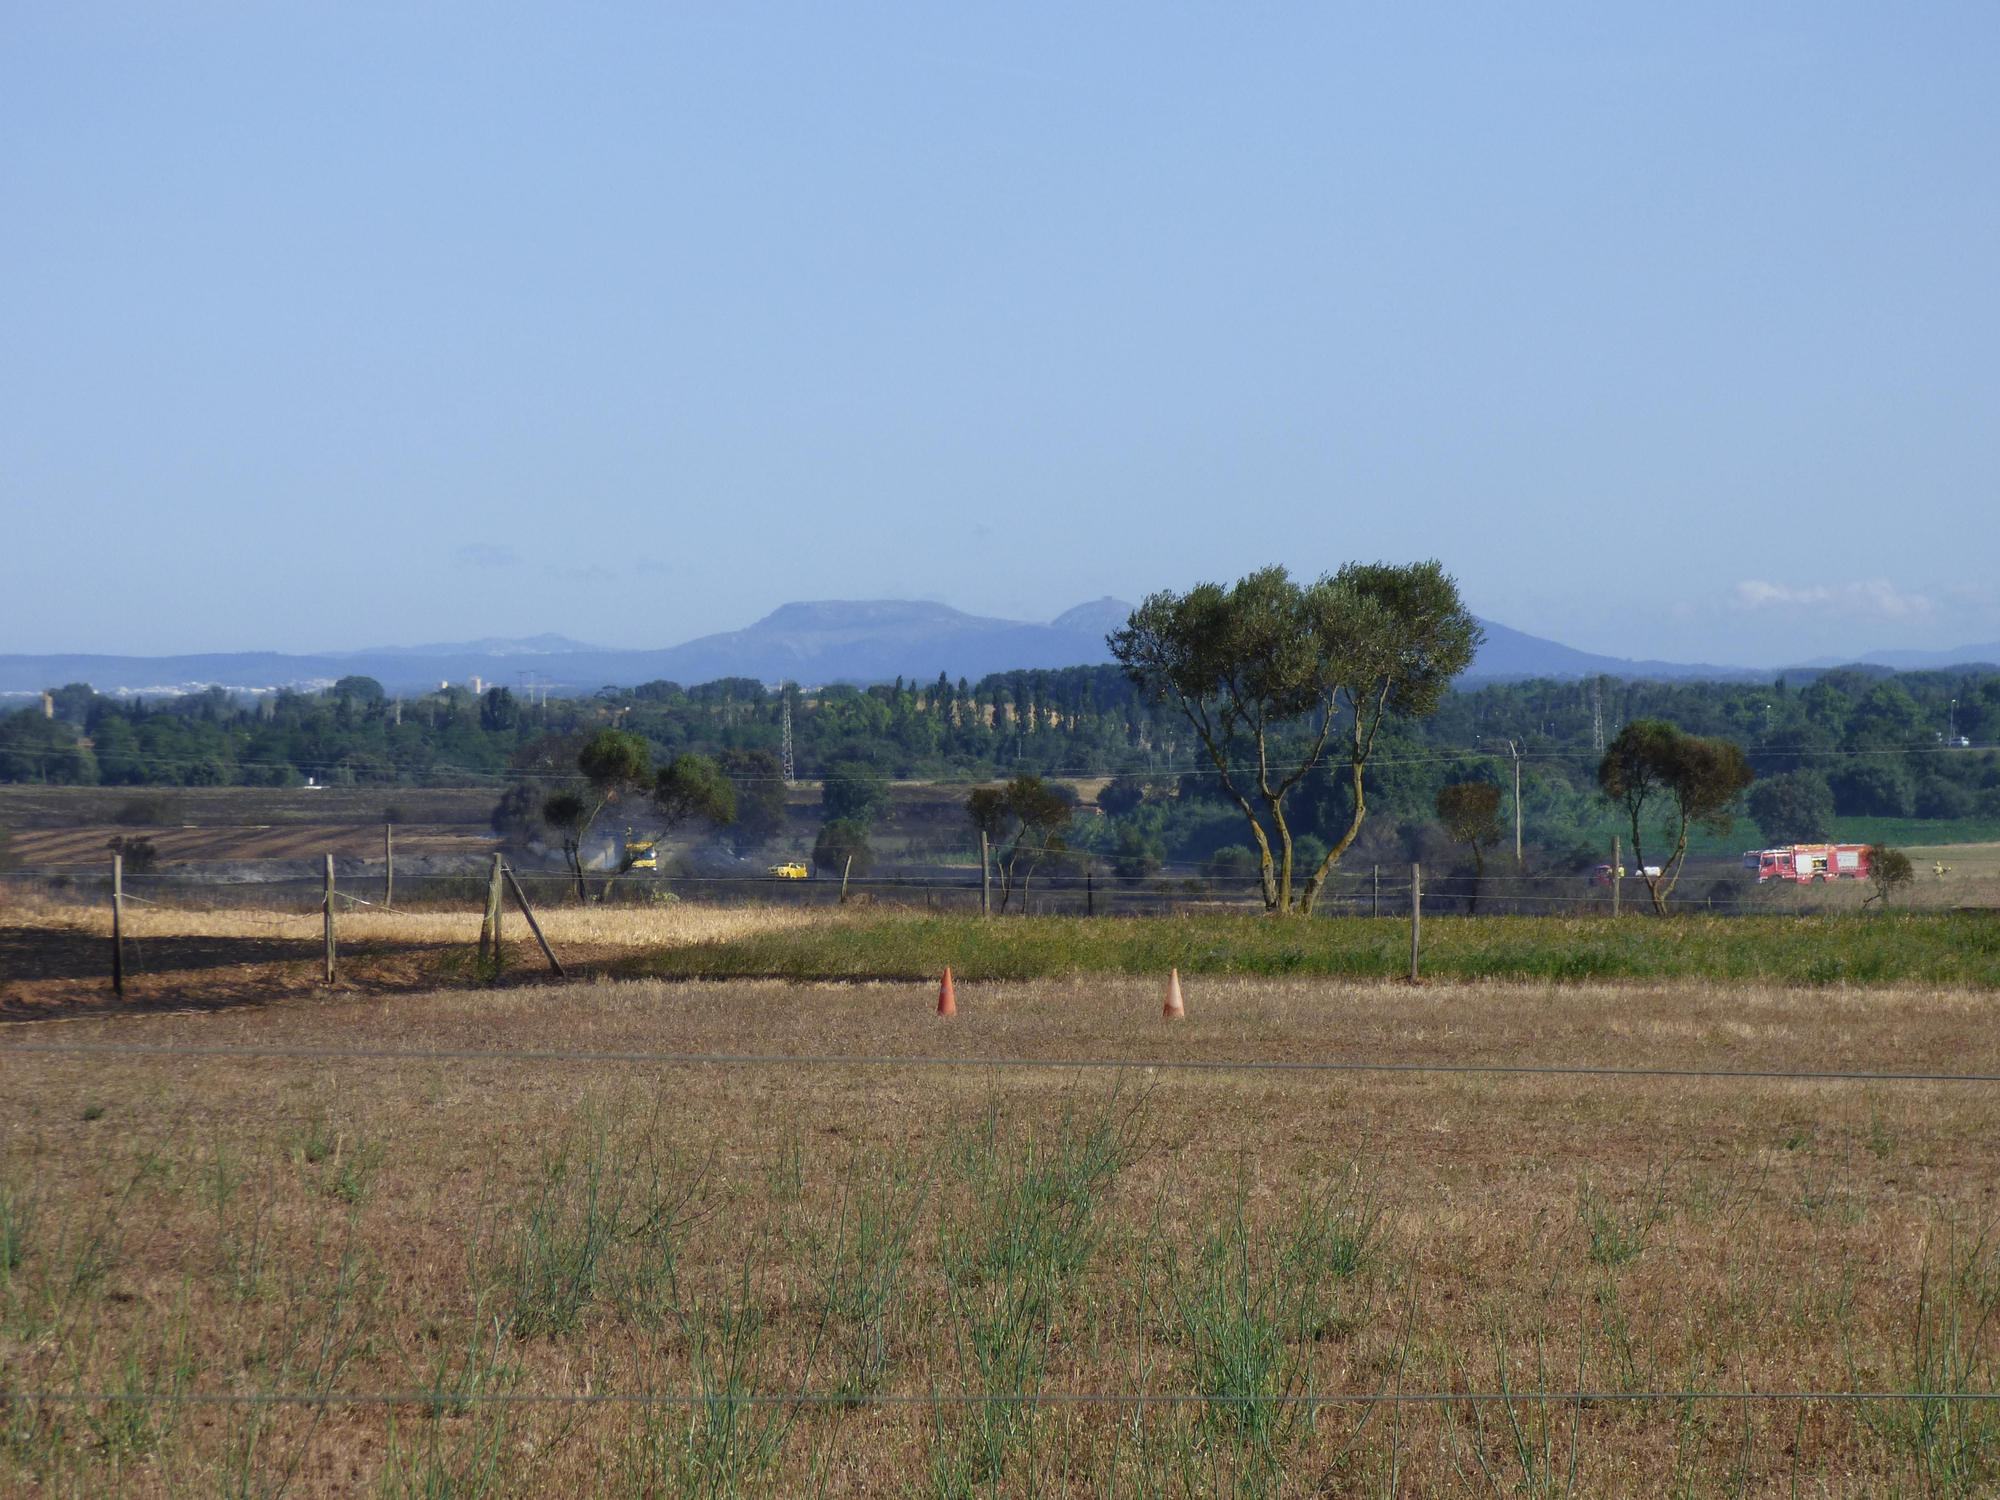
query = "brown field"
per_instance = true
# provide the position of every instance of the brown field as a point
(455, 1229)
(86, 845)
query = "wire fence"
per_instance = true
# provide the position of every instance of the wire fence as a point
(1721, 888)
(942, 1399)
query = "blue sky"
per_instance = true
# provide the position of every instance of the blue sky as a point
(1671, 329)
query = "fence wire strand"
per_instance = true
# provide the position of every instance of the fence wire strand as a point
(967, 1398)
(863, 1060)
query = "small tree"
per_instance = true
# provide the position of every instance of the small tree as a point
(613, 764)
(1025, 821)
(1470, 813)
(1889, 870)
(1679, 779)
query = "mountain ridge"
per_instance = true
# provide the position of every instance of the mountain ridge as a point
(808, 641)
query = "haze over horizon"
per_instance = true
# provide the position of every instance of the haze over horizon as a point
(1673, 335)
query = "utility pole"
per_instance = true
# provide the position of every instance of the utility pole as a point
(1515, 751)
(785, 755)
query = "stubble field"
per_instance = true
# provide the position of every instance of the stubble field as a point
(865, 1250)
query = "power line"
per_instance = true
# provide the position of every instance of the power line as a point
(1098, 1064)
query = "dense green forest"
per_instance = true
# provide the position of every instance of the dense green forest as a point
(1873, 745)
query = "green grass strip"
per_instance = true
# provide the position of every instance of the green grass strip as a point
(1918, 947)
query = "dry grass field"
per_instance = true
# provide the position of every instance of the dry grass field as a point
(943, 1256)
(55, 952)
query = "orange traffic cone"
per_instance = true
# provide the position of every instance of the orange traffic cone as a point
(947, 1005)
(1174, 1009)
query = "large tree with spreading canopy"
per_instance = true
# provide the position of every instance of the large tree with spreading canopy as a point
(1243, 663)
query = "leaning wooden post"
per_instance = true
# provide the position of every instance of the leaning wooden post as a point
(533, 926)
(845, 871)
(388, 864)
(329, 920)
(118, 925)
(1416, 918)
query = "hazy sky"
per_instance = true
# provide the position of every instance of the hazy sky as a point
(1673, 330)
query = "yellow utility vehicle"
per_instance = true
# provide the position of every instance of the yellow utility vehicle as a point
(641, 855)
(791, 870)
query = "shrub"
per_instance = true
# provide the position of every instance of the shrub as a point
(137, 851)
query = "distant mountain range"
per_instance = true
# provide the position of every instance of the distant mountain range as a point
(813, 643)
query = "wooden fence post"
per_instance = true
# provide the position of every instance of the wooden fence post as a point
(985, 877)
(489, 929)
(388, 864)
(330, 952)
(845, 870)
(118, 925)
(533, 926)
(1416, 918)
(1617, 875)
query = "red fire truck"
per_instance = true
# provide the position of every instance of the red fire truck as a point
(1809, 863)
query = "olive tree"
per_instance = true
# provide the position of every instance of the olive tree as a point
(1682, 781)
(1246, 663)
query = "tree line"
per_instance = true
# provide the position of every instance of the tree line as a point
(1189, 751)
